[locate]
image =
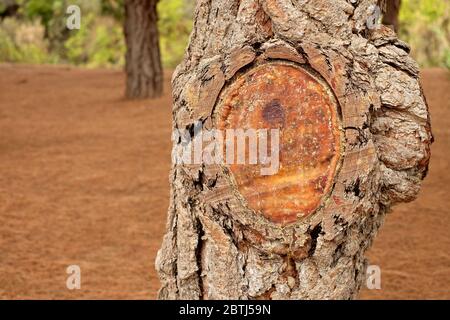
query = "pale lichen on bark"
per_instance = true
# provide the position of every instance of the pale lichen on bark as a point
(215, 246)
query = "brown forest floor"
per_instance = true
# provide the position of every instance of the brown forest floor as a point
(84, 180)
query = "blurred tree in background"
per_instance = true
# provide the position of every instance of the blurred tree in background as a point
(33, 31)
(143, 58)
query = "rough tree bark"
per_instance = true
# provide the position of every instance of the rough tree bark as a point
(390, 18)
(369, 139)
(143, 61)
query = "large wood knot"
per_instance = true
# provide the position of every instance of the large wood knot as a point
(289, 98)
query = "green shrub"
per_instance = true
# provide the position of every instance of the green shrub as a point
(8, 50)
(23, 41)
(108, 48)
(77, 45)
(99, 43)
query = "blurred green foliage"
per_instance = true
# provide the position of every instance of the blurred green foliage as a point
(425, 25)
(24, 42)
(99, 43)
(51, 14)
(175, 26)
(37, 34)
(113, 8)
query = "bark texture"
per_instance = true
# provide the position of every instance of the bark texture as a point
(391, 15)
(216, 247)
(143, 61)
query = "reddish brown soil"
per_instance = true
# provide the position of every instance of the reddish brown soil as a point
(84, 180)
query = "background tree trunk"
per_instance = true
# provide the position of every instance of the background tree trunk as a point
(219, 244)
(391, 15)
(143, 61)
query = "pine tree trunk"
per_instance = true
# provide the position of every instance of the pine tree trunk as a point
(143, 62)
(391, 16)
(355, 140)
